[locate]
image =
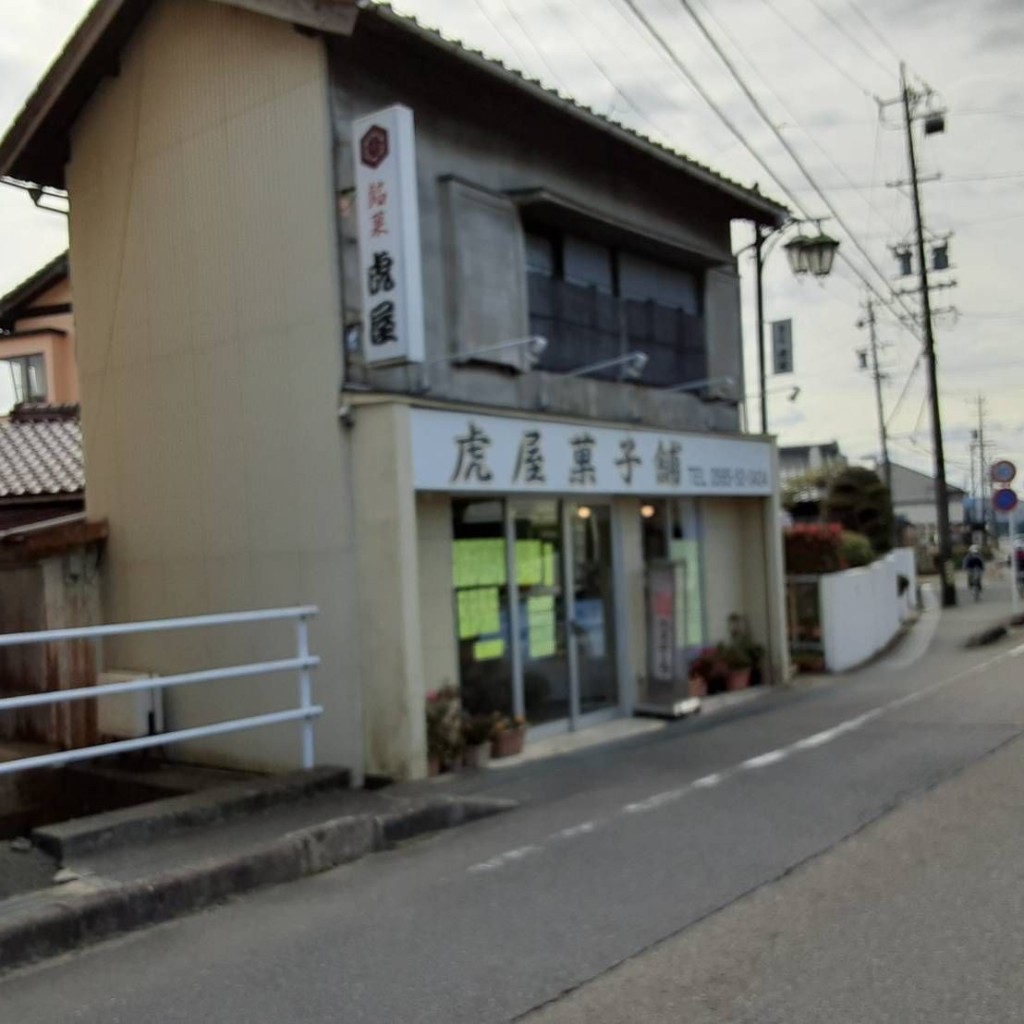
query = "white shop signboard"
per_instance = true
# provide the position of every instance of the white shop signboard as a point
(389, 237)
(465, 452)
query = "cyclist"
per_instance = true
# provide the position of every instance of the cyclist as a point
(975, 566)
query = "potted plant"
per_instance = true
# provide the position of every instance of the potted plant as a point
(708, 672)
(444, 729)
(477, 732)
(508, 736)
(738, 662)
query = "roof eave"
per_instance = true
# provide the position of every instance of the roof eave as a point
(753, 205)
(35, 147)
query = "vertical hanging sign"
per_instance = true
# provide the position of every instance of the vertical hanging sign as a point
(389, 236)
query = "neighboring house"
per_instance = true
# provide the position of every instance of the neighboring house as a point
(274, 414)
(913, 501)
(41, 473)
(800, 460)
(37, 340)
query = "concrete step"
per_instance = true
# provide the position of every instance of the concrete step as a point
(158, 819)
(151, 863)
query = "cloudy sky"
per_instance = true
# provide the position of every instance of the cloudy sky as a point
(817, 67)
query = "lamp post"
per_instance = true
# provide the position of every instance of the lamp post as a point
(807, 254)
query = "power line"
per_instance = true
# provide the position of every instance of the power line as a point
(830, 61)
(704, 95)
(849, 35)
(785, 108)
(797, 160)
(855, 7)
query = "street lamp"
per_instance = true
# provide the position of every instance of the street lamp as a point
(807, 254)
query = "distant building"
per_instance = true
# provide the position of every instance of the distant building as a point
(798, 460)
(913, 501)
(37, 340)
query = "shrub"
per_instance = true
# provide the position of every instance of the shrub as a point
(859, 501)
(813, 549)
(855, 549)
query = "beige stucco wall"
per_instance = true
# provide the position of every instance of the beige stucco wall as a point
(743, 573)
(389, 607)
(204, 269)
(437, 617)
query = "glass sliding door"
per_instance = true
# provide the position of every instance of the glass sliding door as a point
(537, 528)
(481, 599)
(593, 607)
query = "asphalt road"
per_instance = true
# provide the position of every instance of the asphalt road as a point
(615, 854)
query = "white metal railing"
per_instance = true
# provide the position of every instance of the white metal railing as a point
(303, 663)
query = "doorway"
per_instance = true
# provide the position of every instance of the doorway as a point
(535, 609)
(565, 600)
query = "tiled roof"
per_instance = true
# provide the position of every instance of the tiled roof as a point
(41, 457)
(411, 23)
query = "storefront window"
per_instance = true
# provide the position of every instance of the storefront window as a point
(539, 572)
(480, 583)
(685, 547)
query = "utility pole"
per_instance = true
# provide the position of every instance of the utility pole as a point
(945, 565)
(883, 435)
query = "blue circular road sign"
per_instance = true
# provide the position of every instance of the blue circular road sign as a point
(1004, 499)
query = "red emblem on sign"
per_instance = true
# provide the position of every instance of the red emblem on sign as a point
(373, 146)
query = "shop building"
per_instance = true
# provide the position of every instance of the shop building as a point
(308, 244)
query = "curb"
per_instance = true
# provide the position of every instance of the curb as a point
(143, 823)
(74, 920)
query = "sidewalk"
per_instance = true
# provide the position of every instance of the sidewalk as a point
(145, 864)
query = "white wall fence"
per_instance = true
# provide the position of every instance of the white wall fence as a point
(862, 609)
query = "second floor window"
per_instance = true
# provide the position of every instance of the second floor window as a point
(593, 302)
(22, 379)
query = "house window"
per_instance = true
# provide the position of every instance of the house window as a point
(593, 302)
(22, 379)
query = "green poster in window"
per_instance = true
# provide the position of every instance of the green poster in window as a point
(540, 622)
(488, 610)
(493, 570)
(488, 650)
(548, 578)
(529, 562)
(467, 605)
(688, 552)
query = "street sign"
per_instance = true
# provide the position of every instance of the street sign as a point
(1004, 499)
(782, 346)
(1002, 472)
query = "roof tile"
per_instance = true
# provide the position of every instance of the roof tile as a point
(41, 457)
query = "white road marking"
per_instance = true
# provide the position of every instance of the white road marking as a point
(658, 800)
(575, 830)
(505, 858)
(763, 760)
(709, 780)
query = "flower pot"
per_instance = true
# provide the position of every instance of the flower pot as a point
(477, 755)
(739, 679)
(698, 686)
(508, 743)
